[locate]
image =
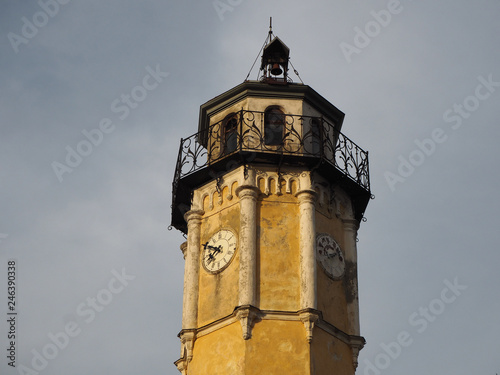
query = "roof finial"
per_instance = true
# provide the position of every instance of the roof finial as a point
(270, 28)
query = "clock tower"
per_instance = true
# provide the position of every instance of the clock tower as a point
(270, 194)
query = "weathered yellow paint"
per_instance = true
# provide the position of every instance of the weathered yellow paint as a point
(332, 304)
(331, 297)
(330, 355)
(277, 348)
(287, 105)
(278, 253)
(220, 352)
(218, 295)
(330, 224)
(260, 105)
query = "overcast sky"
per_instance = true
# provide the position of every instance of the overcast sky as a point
(419, 82)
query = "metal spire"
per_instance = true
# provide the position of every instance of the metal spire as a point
(270, 29)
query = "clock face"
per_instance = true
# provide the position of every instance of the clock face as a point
(219, 250)
(330, 256)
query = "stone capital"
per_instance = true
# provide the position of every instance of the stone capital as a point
(247, 191)
(351, 224)
(193, 216)
(307, 196)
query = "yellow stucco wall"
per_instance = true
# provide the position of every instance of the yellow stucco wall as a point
(277, 348)
(219, 353)
(331, 293)
(290, 106)
(218, 293)
(330, 355)
(278, 272)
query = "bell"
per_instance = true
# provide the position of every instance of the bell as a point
(276, 70)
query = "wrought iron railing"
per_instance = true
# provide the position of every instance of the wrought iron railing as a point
(301, 136)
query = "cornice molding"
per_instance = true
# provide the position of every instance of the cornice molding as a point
(264, 90)
(249, 315)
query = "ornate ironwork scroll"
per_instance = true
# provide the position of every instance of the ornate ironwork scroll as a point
(302, 136)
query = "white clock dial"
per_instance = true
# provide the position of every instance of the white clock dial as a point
(219, 250)
(330, 256)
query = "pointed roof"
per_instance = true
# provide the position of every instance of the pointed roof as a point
(275, 51)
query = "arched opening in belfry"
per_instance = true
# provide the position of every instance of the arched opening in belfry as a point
(274, 126)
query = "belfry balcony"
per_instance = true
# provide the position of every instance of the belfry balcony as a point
(268, 138)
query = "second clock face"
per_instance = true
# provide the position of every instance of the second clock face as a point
(330, 256)
(219, 250)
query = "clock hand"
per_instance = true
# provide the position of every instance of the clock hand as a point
(211, 258)
(216, 249)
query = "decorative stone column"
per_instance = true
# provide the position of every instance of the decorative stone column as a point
(351, 257)
(191, 253)
(248, 245)
(247, 299)
(192, 270)
(307, 228)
